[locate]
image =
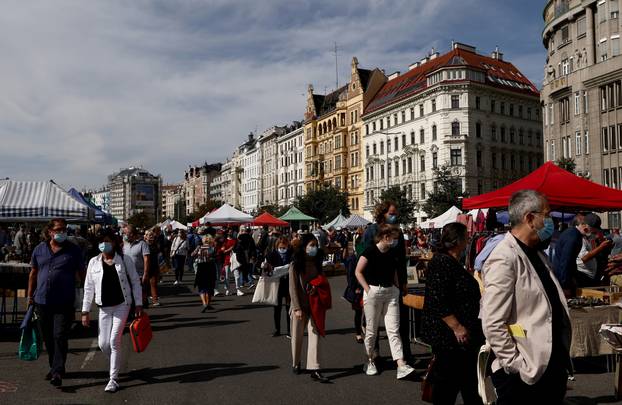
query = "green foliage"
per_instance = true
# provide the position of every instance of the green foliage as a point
(273, 210)
(406, 206)
(324, 203)
(141, 220)
(448, 192)
(567, 164)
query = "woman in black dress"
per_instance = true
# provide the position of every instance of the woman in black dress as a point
(281, 256)
(205, 279)
(450, 321)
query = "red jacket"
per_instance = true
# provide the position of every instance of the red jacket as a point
(320, 301)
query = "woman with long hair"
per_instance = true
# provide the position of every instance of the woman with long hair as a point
(307, 265)
(281, 256)
(450, 321)
(113, 283)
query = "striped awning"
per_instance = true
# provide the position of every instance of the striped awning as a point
(31, 201)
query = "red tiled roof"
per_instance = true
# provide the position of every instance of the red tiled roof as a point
(500, 74)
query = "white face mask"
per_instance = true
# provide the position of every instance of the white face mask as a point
(311, 251)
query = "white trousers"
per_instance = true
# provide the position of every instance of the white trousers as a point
(111, 323)
(383, 302)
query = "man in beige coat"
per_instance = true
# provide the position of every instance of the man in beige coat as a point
(523, 309)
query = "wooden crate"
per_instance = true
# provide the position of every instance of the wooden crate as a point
(608, 294)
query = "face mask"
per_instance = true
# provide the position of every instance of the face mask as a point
(60, 237)
(546, 232)
(126, 238)
(210, 250)
(312, 251)
(393, 243)
(105, 247)
(392, 219)
(282, 251)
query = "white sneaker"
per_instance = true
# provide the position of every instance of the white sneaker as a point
(228, 293)
(240, 293)
(371, 368)
(176, 282)
(404, 371)
(112, 386)
(217, 293)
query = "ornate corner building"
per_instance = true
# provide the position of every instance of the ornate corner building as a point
(582, 90)
(333, 140)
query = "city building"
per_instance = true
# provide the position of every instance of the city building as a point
(477, 114)
(134, 190)
(220, 189)
(333, 140)
(582, 90)
(197, 182)
(249, 168)
(173, 201)
(100, 197)
(291, 164)
(267, 146)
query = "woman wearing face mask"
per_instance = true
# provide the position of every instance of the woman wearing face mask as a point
(307, 266)
(376, 272)
(450, 321)
(179, 251)
(205, 279)
(112, 281)
(281, 256)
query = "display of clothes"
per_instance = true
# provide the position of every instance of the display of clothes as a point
(481, 242)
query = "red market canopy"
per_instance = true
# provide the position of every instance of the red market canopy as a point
(564, 190)
(266, 219)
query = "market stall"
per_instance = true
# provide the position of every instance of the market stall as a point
(13, 279)
(226, 215)
(39, 201)
(445, 218)
(266, 219)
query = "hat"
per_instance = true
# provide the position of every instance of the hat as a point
(592, 220)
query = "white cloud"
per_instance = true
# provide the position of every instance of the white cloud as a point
(90, 87)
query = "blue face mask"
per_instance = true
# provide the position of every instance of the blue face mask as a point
(282, 251)
(60, 237)
(393, 243)
(105, 247)
(392, 219)
(312, 251)
(546, 232)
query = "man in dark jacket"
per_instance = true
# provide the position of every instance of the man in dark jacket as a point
(246, 254)
(567, 250)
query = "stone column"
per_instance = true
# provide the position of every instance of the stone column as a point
(591, 42)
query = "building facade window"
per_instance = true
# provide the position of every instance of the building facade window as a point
(455, 128)
(456, 157)
(455, 101)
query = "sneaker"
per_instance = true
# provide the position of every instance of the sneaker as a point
(176, 282)
(112, 386)
(156, 303)
(228, 293)
(240, 293)
(371, 368)
(217, 293)
(404, 371)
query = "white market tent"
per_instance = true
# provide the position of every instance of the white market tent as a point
(355, 221)
(338, 221)
(445, 218)
(39, 201)
(226, 215)
(177, 225)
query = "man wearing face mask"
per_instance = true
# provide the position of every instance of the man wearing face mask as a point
(523, 310)
(51, 288)
(587, 261)
(567, 251)
(386, 212)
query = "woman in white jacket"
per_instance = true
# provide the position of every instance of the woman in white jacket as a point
(113, 283)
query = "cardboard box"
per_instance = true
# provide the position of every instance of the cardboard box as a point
(609, 294)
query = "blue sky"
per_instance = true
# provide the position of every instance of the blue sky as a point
(90, 87)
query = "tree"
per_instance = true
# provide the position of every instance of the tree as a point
(406, 206)
(448, 192)
(140, 220)
(567, 164)
(273, 209)
(324, 203)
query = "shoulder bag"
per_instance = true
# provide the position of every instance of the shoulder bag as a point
(426, 385)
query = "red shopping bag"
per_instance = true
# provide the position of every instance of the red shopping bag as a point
(140, 332)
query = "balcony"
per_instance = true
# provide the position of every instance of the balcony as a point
(558, 84)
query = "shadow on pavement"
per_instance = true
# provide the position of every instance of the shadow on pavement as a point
(590, 401)
(245, 307)
(194, 324)
(190, 373)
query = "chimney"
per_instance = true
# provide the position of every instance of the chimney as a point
(496, 54)
(394, 75)
(413, 66)
(464, 47)
(250, 137)
(424, 60)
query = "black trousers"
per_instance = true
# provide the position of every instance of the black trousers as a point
(55, 321)
(283, 296)
(179, 262)
(455, 371)
(550, 388)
